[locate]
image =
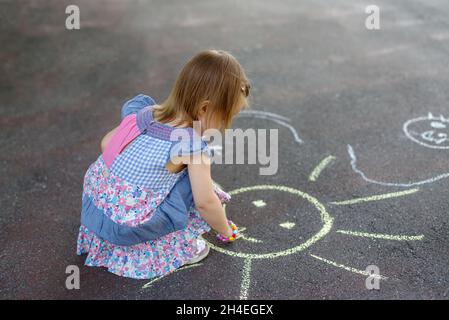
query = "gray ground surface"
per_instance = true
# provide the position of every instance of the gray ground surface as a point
(313, 62)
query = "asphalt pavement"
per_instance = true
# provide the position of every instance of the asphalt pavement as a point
(362, 177)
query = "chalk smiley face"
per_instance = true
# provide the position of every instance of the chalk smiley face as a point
(428, 131)
(271, 231)
(431, 131)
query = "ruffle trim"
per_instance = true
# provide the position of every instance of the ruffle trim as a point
(145, 260)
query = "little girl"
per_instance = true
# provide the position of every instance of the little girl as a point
(147, 199)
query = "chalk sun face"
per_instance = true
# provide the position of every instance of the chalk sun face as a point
(430, 131)
(275, 221)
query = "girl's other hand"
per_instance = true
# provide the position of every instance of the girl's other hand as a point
(107, 138)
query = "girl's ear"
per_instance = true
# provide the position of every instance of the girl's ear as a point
(203, 108)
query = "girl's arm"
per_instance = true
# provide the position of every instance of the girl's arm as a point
(107, 138)
(206, 200)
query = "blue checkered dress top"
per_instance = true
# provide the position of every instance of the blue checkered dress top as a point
(143, 161)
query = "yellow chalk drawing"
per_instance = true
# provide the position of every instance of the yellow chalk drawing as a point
(351, 269)
(376, 197)
(326, 221)
(320, 167)
(250, 239)
(149, 284)
(242, 236)
(246, 279)
(326, 226)
(382, 236)
(287, 225)
(259, 203)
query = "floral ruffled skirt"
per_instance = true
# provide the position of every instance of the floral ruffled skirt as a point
(144, 260)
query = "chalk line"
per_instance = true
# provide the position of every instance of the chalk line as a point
(350, 269)
(246, 238)
(382, 236)
(287, 225)
(430, 117)
(320, 167)
(273, 117)
(326, 220)
(246, 279)
(260, 113)
(250, 239)
(149, 284)
(376, 197)
(259, 203)
(405, 185)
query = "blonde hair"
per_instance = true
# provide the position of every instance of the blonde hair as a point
(214, 76)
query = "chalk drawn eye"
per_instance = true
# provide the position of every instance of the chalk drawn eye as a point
(287, 225)
(259, 203)
(438, 125)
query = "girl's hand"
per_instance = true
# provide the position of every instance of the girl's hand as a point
(229, 232)
(229, 237)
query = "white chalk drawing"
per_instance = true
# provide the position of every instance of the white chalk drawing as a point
(283, 121)
(390, 184)
(431, 132)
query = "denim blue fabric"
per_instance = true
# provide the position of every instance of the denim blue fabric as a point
(135, 104)
(171, 215)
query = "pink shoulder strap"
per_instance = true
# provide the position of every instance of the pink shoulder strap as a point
(126, 133)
